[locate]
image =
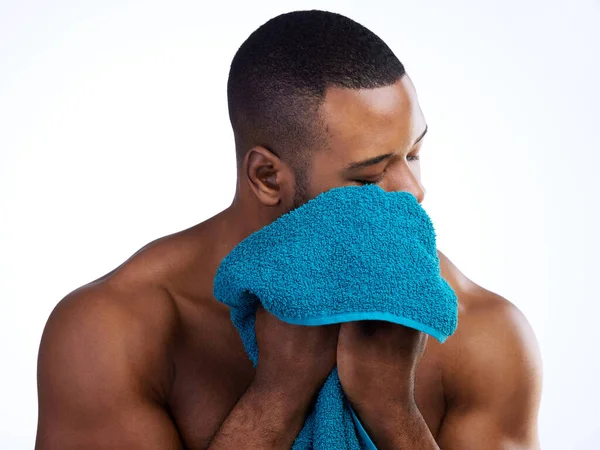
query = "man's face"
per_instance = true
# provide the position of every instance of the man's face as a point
(375, 136)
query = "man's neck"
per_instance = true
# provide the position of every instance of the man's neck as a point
(228, 228)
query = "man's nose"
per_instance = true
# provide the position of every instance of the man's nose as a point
(407, 181)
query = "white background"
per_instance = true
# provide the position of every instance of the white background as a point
(114, 132)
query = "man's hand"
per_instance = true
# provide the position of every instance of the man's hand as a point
(377, 362)
(295, 359)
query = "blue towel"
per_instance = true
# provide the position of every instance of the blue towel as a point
(351, 253)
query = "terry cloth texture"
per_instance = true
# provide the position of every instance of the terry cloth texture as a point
(351, 253)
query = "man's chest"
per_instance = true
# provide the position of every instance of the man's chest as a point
(212, 371)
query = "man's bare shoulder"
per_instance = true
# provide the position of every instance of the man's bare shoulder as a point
(491, 370)
(494, 350)
(127, 318)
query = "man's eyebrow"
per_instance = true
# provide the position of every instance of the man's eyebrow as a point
(367, 162)
(377, 159)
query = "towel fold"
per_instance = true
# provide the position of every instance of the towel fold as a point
(351, 253)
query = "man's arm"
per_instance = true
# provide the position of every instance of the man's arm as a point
(492, 379)
(264, 417)
(98, 381)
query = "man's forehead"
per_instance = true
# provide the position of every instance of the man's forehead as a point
(380, 101)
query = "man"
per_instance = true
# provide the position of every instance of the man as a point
(146, 358)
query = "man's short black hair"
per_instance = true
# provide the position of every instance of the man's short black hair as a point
(279, 76)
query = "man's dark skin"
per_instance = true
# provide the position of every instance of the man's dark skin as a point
(146, 358)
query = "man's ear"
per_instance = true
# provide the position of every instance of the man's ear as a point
(271, 180)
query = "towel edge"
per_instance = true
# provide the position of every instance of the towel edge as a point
(374, 315)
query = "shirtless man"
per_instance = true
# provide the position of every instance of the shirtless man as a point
(146, 358)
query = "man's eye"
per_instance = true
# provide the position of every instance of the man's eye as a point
(413, 157)
(371, 181)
